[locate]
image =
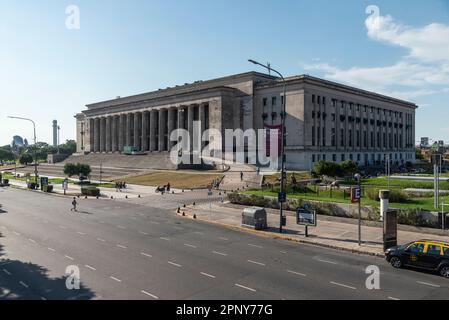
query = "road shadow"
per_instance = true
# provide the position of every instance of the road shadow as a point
(28, 281)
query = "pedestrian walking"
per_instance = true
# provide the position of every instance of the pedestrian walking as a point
(241, 175)
(74, 204)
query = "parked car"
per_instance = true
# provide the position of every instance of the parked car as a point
(424, 254)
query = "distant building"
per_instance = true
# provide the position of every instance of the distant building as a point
(425, 142)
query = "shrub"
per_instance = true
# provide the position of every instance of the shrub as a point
(90, 191)
(48, 188)
(412, 217)
(396, 196)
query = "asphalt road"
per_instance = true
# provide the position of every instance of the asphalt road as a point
(129, 250)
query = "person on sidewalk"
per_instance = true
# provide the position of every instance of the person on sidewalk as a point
(241, 175)
(74, 204)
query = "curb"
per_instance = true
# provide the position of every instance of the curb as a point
(282, 237)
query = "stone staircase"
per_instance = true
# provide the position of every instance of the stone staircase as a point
(150, 161)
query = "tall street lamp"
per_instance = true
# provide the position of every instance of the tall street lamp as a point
(283, 135)
(35, 145)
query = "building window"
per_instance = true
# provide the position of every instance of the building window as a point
(265, 100)
(342, 157)
(358, 157)
(358, 139)
(351, 157)
(273, 101)
(324, 157)
(342, 137)
(319, 100)
(334, 158)
(333, 117)
(350, 138)
(313, 135)
(313, 98)
(324, 101)
(313, 158)
(324, 136)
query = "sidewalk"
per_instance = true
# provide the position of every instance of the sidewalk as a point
(131, 191)
(328, 233)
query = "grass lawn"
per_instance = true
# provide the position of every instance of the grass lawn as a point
(403, 184)
(55, 181)
(178, 180)
(274, 178)
(338, 197)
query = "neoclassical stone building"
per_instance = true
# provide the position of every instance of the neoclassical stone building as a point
(325, 120)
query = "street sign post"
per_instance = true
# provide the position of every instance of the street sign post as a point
(282, 197)
(65, 185)
(306, 217)
(44, 182)
(355, 194)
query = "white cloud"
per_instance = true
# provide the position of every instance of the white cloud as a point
(423, 71)
(429, 43)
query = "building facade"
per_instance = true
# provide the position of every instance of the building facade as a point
(324, 120)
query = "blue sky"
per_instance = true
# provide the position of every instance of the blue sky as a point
(126, 47)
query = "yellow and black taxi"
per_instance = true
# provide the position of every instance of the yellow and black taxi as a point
(423, 254)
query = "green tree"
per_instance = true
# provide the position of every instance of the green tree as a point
(327, 168)
(348, 168)
(25, 159)
(80, 170)
(6, 155)
(69, 147)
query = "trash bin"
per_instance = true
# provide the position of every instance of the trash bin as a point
(255, 218)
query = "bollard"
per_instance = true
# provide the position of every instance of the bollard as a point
(98, 197)
(85, 197)
(179, 210)
(184, 206)
(126, 197)
(194, 216)
(172, 192)
(194, 203)
(183, 214)
(112, 197)
(139, 196)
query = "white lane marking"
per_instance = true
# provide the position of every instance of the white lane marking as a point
(146, 255)
(255, 246)
(244, 287)
(220, 253)
(297, 273)
(16, 233)
(190, 245)
(24, 284)
(429, 284)
(51, 249)
(149, 294)
(283, 252)
(255, 262)
(121, 227)
(166, 239)
(81, 233)
(174, 264)
(223, 238)
(208, 275)
(31, 240)
(342, 285)
(89, 267)
(392, 298)
(144, 233)
(115, 279)
(102, 240)
(327, 261)
(7, 272)
(120, 246)
(70, 258)
(154, 222)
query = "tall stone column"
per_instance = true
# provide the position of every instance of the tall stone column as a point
(137, 130)
(145, 127)
(171, 126)
(153, 130)
(91, 135)
(108, 134)
(121, 131)
(202, 119)
(113, 134)
(96, 135)
(128, 135)
(190, 117)
(181, 115)
(102, 134)
(162, 127)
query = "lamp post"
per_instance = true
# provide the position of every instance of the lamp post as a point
(358, 178)
(283, 135)
(35, 144)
